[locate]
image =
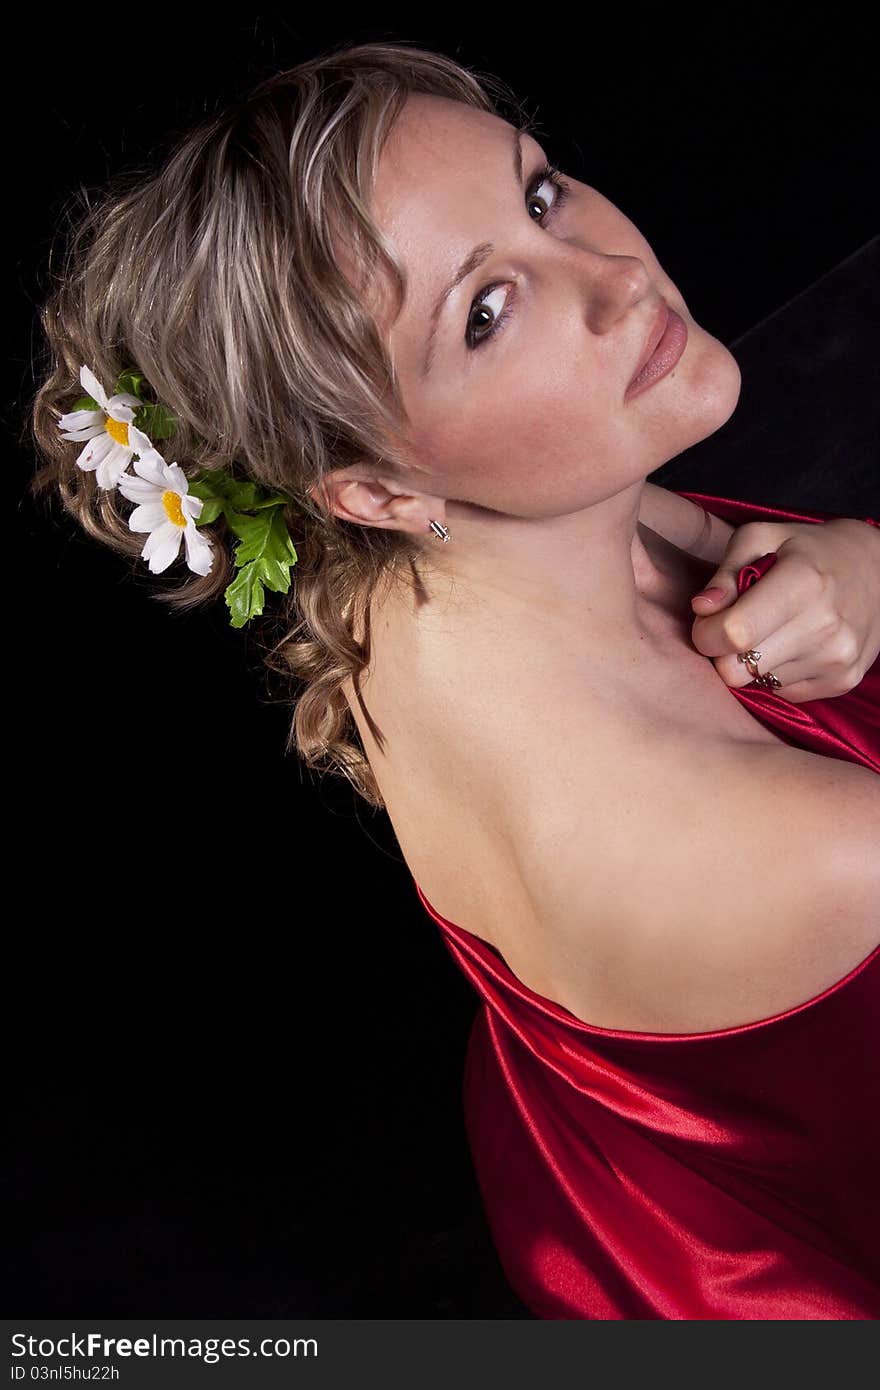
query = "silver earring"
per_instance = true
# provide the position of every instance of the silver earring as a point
(436, 526)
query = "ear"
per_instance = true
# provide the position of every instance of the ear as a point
(355, 495)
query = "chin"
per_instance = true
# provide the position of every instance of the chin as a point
(713, 391)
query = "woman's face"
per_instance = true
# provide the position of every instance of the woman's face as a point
(528, 416)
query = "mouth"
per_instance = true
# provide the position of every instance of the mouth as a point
(664, 346)
(658, 328)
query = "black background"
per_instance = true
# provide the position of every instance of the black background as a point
(235, 1037)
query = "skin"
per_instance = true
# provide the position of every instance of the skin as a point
(560, 625)
(525, 446)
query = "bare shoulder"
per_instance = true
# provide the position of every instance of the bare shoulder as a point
(705, 893)
(659, 864)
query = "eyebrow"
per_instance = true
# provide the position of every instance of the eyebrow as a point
(471, 263)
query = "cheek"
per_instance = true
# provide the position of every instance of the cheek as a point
(521, 416)
(548, 447)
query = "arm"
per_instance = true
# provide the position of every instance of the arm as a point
(684, 524)
(826, 576)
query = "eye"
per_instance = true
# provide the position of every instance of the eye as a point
(474, 339)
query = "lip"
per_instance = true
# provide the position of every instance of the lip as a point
(665, 345)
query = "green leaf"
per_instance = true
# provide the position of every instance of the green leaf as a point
(244, 596)
(281, 547)
(252, 532)
(210, 482)
(265, 554)
(264, 536)
(130, 381)
(251, 497)
(273, 499)
(212, 486)
(202, 484)
(276, 574)
(156, 421)
(241, 496)
(208, 486)
(85, 403)
(211, 509)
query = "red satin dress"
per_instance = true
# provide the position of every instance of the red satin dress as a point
(732, 1174)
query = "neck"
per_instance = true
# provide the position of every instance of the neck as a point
(593, 576)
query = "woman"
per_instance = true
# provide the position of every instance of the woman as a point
(341, 292)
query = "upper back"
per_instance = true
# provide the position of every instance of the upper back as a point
(729, 882)
(663, 863)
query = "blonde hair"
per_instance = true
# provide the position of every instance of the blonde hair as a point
(215, 277)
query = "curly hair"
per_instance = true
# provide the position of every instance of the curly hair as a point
(215, 276)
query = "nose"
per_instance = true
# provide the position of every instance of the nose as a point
(609, 285)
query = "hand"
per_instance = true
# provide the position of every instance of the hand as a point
(814, 616)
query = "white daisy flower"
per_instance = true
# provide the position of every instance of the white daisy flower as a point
(167, 511)
(113, 439)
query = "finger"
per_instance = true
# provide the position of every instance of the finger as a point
(826, 685)
(749, 546)
(789, 674)
(765, 607)
(801, 692)
(801, 677)
(786, 650)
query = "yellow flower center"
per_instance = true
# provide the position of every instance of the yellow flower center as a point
(172, 504)
(118, 430)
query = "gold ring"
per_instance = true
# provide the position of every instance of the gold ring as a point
(751, 659)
